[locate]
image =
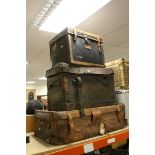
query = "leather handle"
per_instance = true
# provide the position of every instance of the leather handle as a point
(78, 81)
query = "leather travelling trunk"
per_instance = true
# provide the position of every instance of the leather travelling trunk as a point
(121, 73)
(67, 126)
(76, 88)
(77, 47)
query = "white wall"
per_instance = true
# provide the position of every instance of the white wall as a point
(40, 89)
(114, 55)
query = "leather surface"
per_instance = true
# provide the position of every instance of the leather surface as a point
(96, 90)
(69, 128)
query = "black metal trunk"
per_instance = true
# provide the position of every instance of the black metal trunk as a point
(71, 88)
(74, 46)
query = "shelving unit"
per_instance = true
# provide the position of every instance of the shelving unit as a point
(87, 145)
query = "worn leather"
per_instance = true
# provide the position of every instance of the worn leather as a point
(67, 126)
(77, 47)
(64, 93)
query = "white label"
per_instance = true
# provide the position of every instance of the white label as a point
(102, 129)
(111, 140)
(88, 147)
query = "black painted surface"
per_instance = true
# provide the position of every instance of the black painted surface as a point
(66, 47)
(80, 53)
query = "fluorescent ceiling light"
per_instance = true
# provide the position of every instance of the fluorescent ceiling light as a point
(43, 78)
(68, 13)
(30, 82)
(48, 7)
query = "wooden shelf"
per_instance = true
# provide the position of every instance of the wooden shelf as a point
(89, 145)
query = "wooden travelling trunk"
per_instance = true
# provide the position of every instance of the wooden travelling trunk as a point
(78, 47)
(121, 72)
(67, 126)
(73, 88)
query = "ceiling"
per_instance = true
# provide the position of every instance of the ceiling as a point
(111, 22)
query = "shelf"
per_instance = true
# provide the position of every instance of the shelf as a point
(91, 144)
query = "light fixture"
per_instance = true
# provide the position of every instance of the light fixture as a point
(44, 13)
(26, 62)
(66, 13)
(30, 82)
(43, 78)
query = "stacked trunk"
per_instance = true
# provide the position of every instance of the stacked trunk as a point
(59, 127)
(81, 100)
(121, 73)
(71, 88)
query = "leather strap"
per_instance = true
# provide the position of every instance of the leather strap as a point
(78, 82)
(70, 122)
(96, 116)
(117, 113)
(54, 125)
(98, 44)
(75, 34)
